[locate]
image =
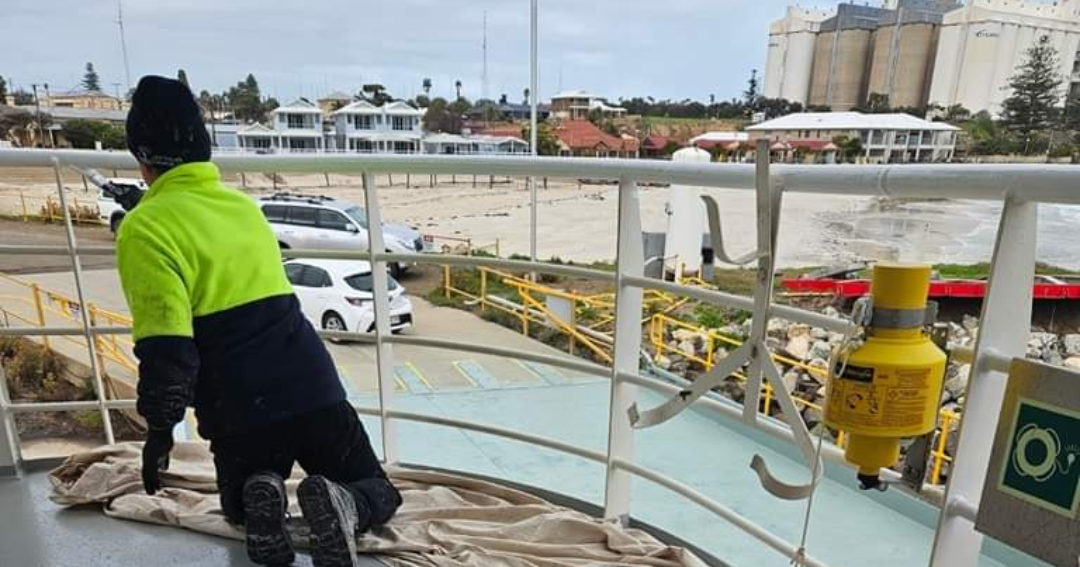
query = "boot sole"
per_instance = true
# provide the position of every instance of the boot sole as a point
(333, 541)
(268, 542)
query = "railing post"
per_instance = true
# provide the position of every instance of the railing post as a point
(383, 350)
(1003, 330)
(10, 457)
(483, 290)
(446, 281)
(76, 265)
(40, 311)
(630, 262)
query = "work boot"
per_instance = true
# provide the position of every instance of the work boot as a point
(265, 504)
(334, 517)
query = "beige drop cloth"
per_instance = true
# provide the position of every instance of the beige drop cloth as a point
(446, 520)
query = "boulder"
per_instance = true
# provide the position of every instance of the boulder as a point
(957, 382)
(819, 364)
(663, 362)
(684, 335)
(1043, 340)
(1072, 362)
(819, 334)
(1053, 357)
(791, 380)
(776, 326)
(1071, 343)
(688, 347)
(798, 330)
(798, 347)
(820, 349)
(812, 416)
(772, 343)
(830, 311)
(970, 323)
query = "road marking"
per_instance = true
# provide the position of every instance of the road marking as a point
(412, 378)
(476, 374)
(548, 374)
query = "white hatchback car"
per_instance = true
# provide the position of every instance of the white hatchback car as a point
(336, 295)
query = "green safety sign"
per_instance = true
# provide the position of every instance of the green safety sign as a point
(1040, 464)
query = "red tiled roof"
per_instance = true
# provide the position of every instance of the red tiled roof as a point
(813, 145)
(511, 131)
(653, 142)
(582, 134)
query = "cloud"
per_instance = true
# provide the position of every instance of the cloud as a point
(675, 48)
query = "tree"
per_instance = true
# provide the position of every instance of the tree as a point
(375, 94)
(91, 81)
(751, 94)
(546, 143)
(850, 148)
(878, 103)
(3, 91)
(503, 99)
(457, 86)
(422, 101)
(17, 125)
(1032, 105)
(776, 107)
(525, 94)
(22, 97)
(246, 101)
(84, 133)
(181, 76)
(441, 118)
(426, 84)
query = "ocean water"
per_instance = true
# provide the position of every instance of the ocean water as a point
(940, 231)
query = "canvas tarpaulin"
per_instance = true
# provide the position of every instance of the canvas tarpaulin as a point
(446, 520)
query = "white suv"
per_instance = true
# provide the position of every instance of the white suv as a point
(109, 211)
(301, 221)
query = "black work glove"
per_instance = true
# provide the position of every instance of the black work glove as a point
(127, 196)
(155, 458)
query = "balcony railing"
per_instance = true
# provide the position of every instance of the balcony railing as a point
(1003, 332)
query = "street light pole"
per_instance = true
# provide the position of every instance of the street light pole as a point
(37, 113)
(533, 96)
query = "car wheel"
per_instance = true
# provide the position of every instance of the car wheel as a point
(114, 223)
(396, 270)
(333, 322)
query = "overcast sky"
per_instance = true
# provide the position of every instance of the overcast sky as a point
(660, 48)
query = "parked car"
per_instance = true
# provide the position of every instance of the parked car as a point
(301, 221)
(109, 211)
(337, 295)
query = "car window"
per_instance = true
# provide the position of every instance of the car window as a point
(294, 272)
(363, 282)
(274, 213)
(303, 216)
(333, 220)
(315, 277)
(357, 214)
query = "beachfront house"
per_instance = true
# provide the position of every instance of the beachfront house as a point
(883, 138)
(295, 127)
(393, 127)
(576, 105)
(450, 144)
(581, 138)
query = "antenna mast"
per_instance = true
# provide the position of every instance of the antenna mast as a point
(123, 41)
(484, 77)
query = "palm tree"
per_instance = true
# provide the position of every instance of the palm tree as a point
(427, 86)
(457, 85)
(526, 93)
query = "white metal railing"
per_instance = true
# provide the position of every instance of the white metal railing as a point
(1002, 335)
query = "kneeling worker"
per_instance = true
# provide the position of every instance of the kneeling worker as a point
(217, 327)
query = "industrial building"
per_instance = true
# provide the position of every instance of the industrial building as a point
(916, 52)
(981, 45)
(838, 59)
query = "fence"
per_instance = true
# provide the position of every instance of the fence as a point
(83, 209)
(1003, 334)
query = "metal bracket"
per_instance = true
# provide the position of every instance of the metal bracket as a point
(716, 234)
(754, 351)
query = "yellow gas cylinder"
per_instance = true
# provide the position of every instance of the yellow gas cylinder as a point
(889, 387)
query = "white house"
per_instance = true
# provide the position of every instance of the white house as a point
(473, 144)
(576, 105)
(393, 127)
(885, 138)
(295, 127)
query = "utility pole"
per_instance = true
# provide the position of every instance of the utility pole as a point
(484, 75)
(534, 95)
(37, 112)
(123, 42)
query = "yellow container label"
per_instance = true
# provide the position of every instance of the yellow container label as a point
(880, 400)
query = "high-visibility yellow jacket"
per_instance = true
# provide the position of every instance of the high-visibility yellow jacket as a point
(215, 321)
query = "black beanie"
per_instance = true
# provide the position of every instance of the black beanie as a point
(165, 126)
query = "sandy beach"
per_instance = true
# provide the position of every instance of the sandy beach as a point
(578, 222)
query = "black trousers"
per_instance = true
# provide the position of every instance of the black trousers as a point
(330, 442)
